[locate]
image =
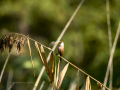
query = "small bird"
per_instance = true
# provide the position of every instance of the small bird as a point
(52, 44)
(61, 49)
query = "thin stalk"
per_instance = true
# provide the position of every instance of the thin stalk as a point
(111, 55)
(4, 66)
(10, 76)
(41, 87)
(110, 44)
(11, 86)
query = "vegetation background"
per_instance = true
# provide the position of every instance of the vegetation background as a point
(86, 39)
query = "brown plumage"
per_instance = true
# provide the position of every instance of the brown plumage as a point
(61, 49)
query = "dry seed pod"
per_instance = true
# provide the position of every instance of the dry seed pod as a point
(23, 41)
(20, 43)
(4, 41)
(10, 44)
(9, 39)
(2, 47)
(3, 44)
(99, 86)
(18, 47)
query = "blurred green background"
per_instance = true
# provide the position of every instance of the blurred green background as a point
(86, 39)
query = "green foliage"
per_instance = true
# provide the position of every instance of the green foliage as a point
(86, 40)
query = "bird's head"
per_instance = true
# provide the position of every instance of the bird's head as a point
(62, 43)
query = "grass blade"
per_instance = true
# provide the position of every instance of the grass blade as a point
(11, 86)
(77, 88)
(55, 79)
(10, 76)
(61, 76)
(43, 58)
(36, 45)
(43, 55)
(110, 42)
(4, 67)
(42, 85)
(29, 45)
(99, 86)
(31, 55)
(45, 61)
(57, 72)
(88, 86)
(111, 55)
(51, 69)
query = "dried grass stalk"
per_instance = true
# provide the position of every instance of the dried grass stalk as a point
(61, 76)
(10, 76)
(51, 68)
(31, 55)
(55, 79)
(57, 72)
(99, 86)
(111, 55)
(4, 67)
(45, 61)
(88, 85)
(77, 87)
(11, 86)
(36, 45)
(29, 45)
(41, 87)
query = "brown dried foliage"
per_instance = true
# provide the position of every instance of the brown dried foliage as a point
(88, 85)
(77, 87)
(99, 86)
(45, 61)
(30, 54)
(61, 76)
(9, 40)
(51, 66)
(39, 53)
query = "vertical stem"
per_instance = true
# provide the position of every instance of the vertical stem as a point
(110, 45)
(4, 67)
(111, 55)
(10, 76)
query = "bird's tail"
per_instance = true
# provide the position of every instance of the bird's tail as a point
(60, 57)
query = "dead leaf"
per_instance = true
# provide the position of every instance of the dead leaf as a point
(31, 55)
(61, 76)
(45, 61)
(51, 68)
(77, 88)
(36, 45)
(88, 86)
